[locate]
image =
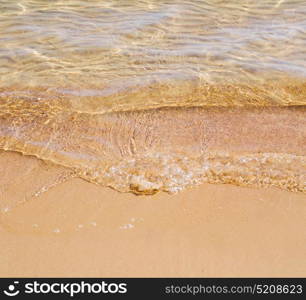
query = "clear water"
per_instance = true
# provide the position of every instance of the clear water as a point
(81, 80)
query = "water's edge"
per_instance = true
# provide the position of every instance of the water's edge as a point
(167, 149)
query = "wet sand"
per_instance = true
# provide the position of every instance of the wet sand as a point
(76, 228)
(164, 149)
(151, 97)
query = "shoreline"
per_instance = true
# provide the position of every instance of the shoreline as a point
(78, 229)
(166, 149)
(152, 139)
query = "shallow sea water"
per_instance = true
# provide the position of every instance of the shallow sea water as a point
(145, 96)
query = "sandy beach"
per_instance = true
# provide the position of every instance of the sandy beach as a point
(79, 229)
(152, 138)
(165, 149)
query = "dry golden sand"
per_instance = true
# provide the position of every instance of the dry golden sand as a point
(76, 228)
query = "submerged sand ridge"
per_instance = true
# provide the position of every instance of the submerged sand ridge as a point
(263, 90)
(163, 149)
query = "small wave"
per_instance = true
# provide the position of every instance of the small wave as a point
(165, 149)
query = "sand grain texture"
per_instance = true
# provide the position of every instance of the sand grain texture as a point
(80, 229)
